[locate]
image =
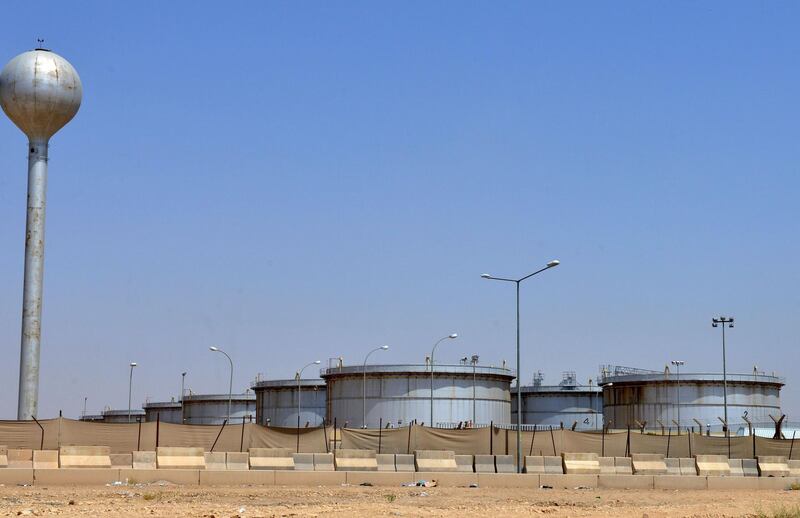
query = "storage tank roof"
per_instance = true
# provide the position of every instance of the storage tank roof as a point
(315, 383)
(702, 377)
(416, 369)
(219, 397)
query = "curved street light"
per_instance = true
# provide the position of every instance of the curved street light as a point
(452, 336)
(551, 264)
(364, 385)
(299, 376)
(130, 389)
(230, 384)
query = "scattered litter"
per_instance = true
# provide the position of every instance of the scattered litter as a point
(118, 483)
(366, 484)
(241, 510)
(422, 494)
(582, 487)
(545, 487)
(473, 485)
(425, 483)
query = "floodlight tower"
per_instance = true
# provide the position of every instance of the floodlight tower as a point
(40, 92)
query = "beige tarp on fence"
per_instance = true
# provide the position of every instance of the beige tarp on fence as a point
(123, 438)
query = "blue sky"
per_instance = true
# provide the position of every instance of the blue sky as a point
(297, 181)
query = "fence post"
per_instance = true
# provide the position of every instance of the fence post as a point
(334, 434)
(628, 443)
(408, 445)
(491, 438)
(41, 443)
(158, 423)
(532, 440)
(139, 437)
(669, 436)
(689, 437)
(241, 442)
(220, 433)
(506, 441)
(553, 439)
(380, 433)
(791, 445)
(603, 443)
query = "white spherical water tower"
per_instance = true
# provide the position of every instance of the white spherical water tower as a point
(40, 92)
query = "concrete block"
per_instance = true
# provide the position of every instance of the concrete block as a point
(773, 466)
(324, 462)
(449, 478)
(45, 459)
(214, 460)
(648, 464)
(121, 460)
(84, 457)
(688, 466)
(75, 476)
(750, 467)
(484, 464)
(505, 464)
(712, 465)
(679, 482)
(179, 457)
(385, 461)
(435, 460)
(271, 458)
(3, 456)
(736, 467)
(20, 458)
(237, 478)
(607, 466)
(732, 483)
(465, 463)
(356, 460)
(16, 476)
(148, 476)
(313, 478)
(543, 465)
(673, 466)
(404, 462)
(507, 480)
(623, 466)
(626, 481)
(581, 463)
(237, 461)
(794, 468)
(569, 481)
(379, 478)
(144, 460)
(303, 461)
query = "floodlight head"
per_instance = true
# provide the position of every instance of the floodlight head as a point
(384, 347)
(212, 348)
(317, 362)
(40, 92)
(553, 263)
(714, 323)
(486, 276)
(183, 374)
(454, 335)
(133, 364)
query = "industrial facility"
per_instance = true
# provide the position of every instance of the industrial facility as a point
(567, 404)
(394, 395)
(280, 402)
(164, 411)
(663, 398)
(216, 408)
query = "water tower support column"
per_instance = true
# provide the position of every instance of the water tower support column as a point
(32, 286)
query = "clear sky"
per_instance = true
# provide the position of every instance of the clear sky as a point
(297, 181)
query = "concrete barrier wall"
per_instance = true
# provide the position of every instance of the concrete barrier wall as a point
(177, 457)
(484, 464)
(20, 458)
(215, 460)
(773, 466)
(84, 457)
(324, 462)
(356, 460)
(648, 464)
(271, 458)
(404, 462)
(688, 466)
(121, 460)
(465, 463)
(385, 462)
(505, 464)
(607, 466)
(144, 460)
(673, 466)
(544, 465)
(435, 460)
(581, 463)
(712, 465)
(303, 461)
(794, 468)
(3, 456)
(623, 466)
(237, 461)
(45, 459)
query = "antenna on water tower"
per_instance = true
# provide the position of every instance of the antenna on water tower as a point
(40, 92)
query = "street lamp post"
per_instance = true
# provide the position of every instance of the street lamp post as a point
(183, 379)
(230, 383)
(299, 377)
(130, 390)
(677, 364)
(85, 398)
(474, 362)
(451, 336)
(551, 264)
(364, 384)
(720, 322)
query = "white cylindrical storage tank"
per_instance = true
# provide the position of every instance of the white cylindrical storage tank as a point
(163, 411)
(122, 416)
(559, 405)
(277, 405)
(213, 408)
(93, 418)
(650, 397)
(399, 394)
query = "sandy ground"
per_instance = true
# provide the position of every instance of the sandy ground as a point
(218, 502)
